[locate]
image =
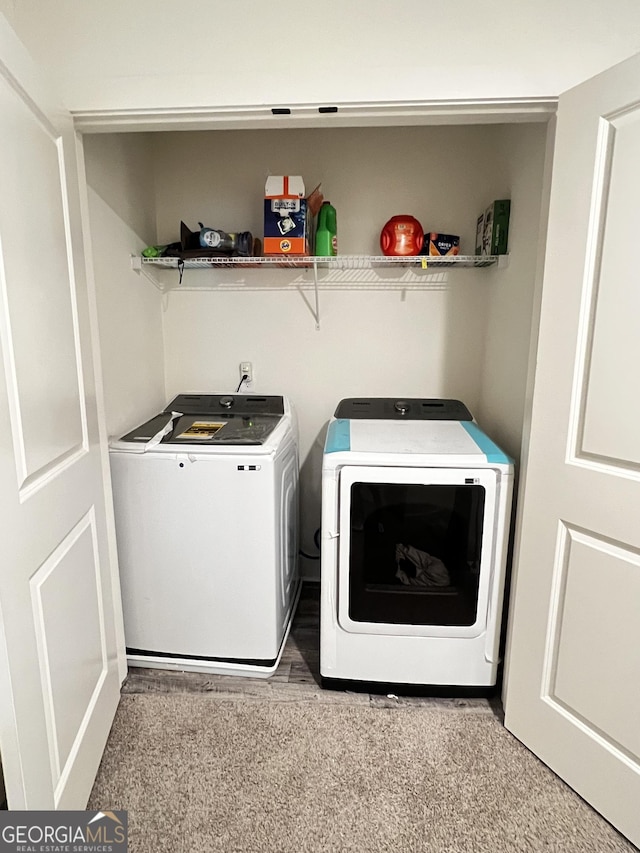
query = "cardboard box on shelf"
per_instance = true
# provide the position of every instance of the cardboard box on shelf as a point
(288, 216)
(495, 229)
(439, 245)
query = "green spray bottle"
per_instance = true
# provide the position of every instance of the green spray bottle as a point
(327, 231)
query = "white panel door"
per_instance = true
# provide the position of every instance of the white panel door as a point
(573, 678)
(59, 635)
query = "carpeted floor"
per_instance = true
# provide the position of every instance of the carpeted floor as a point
(200, 773)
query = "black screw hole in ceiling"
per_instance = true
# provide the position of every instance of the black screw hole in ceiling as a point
(286, 111)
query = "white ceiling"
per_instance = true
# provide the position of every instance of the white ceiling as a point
(167, 53)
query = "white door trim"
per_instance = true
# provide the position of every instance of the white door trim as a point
(349, 114)
(101, 411)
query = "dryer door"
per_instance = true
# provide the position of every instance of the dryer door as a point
(417, 550)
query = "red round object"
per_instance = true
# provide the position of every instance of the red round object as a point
(401, 235)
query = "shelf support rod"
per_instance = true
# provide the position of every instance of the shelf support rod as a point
(315, 287)
(314, 311)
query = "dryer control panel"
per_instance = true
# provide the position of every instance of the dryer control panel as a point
(408, 409)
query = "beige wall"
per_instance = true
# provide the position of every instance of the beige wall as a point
(121, 217)
(510, 298)
(120, 170)
(441, 175)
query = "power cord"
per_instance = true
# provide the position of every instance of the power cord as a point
(245, 376)
(316, 542)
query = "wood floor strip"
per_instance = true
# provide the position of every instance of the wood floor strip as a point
(297, 677)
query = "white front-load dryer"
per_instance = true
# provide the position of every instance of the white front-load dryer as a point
(415, 521)
(206, 510)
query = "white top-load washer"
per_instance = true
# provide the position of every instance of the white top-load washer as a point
(415, 523)
(206, 510)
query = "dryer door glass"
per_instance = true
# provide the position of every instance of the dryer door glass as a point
(414, 554)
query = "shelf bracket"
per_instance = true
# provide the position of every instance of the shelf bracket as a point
(139, 267)
(314, 311)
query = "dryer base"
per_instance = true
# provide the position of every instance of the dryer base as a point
(451, 691)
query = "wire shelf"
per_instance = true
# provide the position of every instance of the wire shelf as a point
(339, 262)
(310, 274)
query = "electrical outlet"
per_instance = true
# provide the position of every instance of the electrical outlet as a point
(246, 369)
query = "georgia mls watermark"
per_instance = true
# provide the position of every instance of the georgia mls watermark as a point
(63, 832)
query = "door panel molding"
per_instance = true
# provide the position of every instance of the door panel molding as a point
(568, 569)
(590, 283)
(600, 432)
(45, 441)
(81, 676)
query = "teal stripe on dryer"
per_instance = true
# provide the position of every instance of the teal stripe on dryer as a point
(488, 447)
(338, 436)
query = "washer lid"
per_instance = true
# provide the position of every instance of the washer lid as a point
(207, 429)
(402, 409)
(212, 419)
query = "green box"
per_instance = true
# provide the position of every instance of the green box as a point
(479, 233)
(495, 229)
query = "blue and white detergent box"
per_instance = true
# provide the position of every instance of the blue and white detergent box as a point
(287, 222)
